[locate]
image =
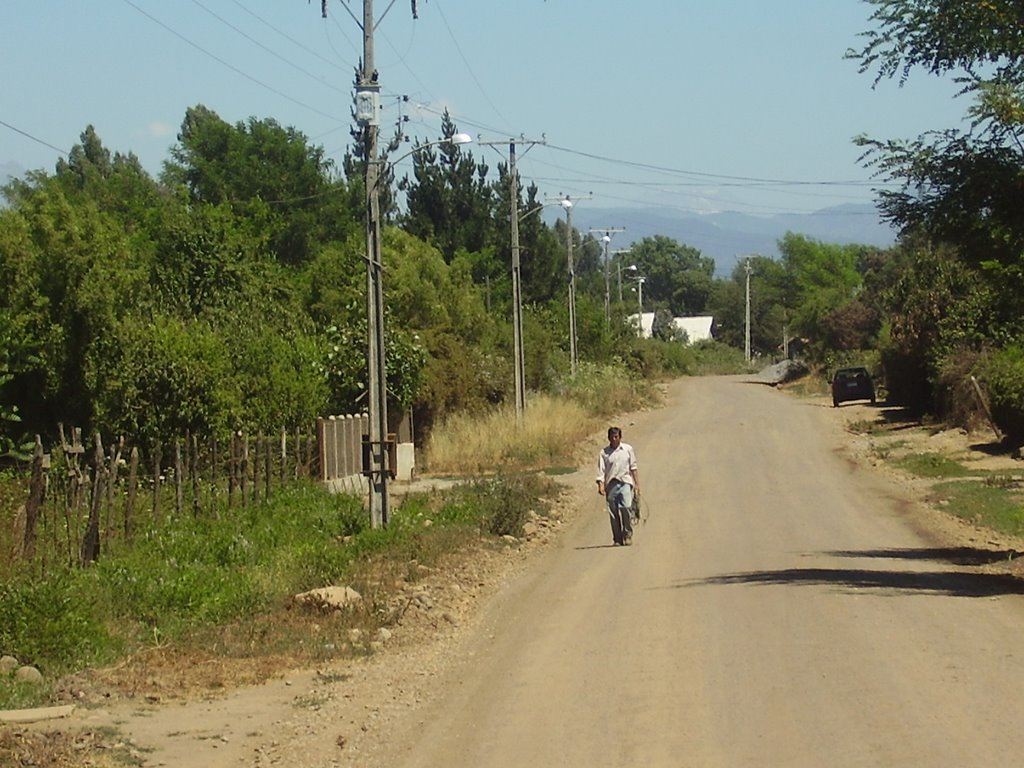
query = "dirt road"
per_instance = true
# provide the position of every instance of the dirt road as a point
(780, 607)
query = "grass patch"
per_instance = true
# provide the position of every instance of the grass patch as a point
(931, 465)
(197, 597)
(985, 504)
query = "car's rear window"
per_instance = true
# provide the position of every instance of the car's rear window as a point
(851, 373)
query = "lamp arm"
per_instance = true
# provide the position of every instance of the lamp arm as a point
(384, 163)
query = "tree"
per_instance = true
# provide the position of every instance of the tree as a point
(961, 187)
(266, 173)
(676, 275)
(75, 272)
(820, 278)
(768, 281)
(449, 202)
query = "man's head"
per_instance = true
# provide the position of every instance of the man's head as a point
(614, 435)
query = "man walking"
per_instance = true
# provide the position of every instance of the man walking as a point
(617, 481)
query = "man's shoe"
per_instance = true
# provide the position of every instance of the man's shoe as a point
(627, 541)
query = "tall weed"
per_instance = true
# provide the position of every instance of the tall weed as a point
(552, 428)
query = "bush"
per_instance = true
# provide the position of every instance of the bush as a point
(1004, 375)
(503, 504)
(52, 623)
(713, 358)
(604, 390)
(956, 400)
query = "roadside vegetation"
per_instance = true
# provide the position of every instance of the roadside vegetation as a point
(957, 483)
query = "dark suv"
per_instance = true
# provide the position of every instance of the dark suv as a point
(852, 384)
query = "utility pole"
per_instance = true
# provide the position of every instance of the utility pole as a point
(640, 303)
(367, 111)
(567, 203)
(746, 347)
(517, 294)
(785, 333)
(618, 252)
(607, 238)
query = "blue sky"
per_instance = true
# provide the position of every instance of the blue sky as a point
(695, 107)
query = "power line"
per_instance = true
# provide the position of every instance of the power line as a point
(290, 39)
(665, 169)
(36, 139)
(469, 67)
(273, 53)
(232, 67)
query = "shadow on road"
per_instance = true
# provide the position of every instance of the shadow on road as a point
(951, 583)
(954, 555)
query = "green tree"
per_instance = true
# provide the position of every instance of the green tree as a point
(676, 275)
(820, 278)
(768, 302)
(266, 173)
(78, 273)
(449, 202)
(958, 186)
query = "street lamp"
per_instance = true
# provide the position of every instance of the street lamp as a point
(377, 443)
(607, 239)
(573, 359)
(640, 280)
(746, 347)
(618, 267)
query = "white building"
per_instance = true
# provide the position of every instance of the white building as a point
(696, 328)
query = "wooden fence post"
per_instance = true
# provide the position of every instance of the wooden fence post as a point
(284, 455)
(111, 483)
(193, 471)
(214, 475)
(179, 480)
(133, 484)
(243, 467)
(268, 461)
(35, 501)
(255, 468)
(232, 469)
(91, 541)
(158, 456)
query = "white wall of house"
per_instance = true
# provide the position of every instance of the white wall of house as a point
(697, 328)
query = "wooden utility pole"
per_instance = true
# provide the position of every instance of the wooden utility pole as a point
(368, 115)
(746, 346)
(607, 239)
(517, 292)
(567, 203)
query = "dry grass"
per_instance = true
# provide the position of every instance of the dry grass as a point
(51, 748)
(551, 432)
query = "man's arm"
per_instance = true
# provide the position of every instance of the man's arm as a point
(634, 470)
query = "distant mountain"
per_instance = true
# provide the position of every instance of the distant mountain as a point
(728, 237)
